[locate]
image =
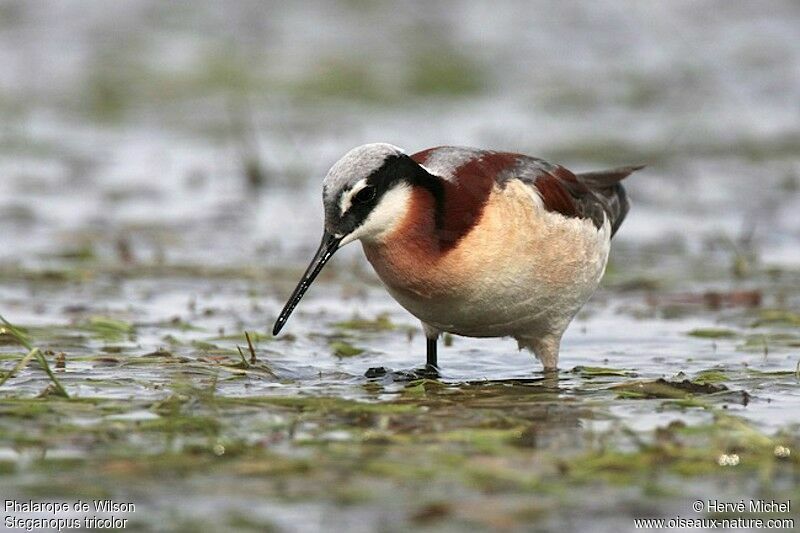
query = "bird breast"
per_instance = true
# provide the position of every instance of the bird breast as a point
(518, 265)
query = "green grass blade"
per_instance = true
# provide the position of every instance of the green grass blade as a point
(33, 352)
(19, 366)
(17, 333)
(46, 367)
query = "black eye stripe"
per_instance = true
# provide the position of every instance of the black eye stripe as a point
(364, 195)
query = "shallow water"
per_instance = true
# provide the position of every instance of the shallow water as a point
(134, 242)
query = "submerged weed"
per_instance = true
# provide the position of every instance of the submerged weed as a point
(379, 323)
(713, 333)
(662, 388)
(109, 329)
(345, 349)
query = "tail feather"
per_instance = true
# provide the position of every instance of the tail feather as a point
(606, 186)
(602, 179)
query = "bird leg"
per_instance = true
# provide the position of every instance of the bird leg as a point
(430, 370)
(545, 347)
(431, 363)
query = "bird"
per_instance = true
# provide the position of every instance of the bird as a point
(473, 242)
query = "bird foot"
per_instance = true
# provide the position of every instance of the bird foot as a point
(426, 372)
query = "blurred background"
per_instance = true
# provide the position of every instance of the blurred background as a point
(200, 132)
(160, 194)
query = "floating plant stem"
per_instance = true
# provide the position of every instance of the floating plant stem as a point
(245, 364)
(253, 359)
(19, 366)
(32, 352)
(16, 333)
(46, 366)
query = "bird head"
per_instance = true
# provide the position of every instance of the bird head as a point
(366, 194)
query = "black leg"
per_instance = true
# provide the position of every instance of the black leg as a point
(431, 370)
(431, 350)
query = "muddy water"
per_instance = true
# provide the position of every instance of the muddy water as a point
(136, 241)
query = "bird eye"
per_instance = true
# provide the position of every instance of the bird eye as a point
(365, 195)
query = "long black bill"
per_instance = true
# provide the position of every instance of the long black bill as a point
(327, 247)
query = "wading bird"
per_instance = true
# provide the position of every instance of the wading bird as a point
(474, 242)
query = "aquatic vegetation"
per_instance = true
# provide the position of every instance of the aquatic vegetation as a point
(777, 317)
(109, 329)
(211, 408)
(713, 333)
(33, 353)
(345, 349)
(711, 376)
(662, 388)
(591, 371)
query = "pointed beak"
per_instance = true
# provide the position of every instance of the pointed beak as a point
(328, 246)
